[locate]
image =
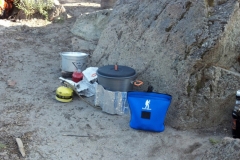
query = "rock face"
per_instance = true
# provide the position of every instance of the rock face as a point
(186, 48)
(88, 27)
(107, 3)
(228, 148)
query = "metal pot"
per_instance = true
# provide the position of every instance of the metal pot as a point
(117, 78)
(74, 60)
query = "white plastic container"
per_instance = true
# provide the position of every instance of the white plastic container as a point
(72, 59)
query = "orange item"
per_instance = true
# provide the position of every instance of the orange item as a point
(6, 7)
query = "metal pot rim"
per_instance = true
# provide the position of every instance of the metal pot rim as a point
(129, 77)
(73, 54)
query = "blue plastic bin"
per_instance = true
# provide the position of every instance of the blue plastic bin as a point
(148, 110)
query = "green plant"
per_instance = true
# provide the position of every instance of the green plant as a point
(2, 146)
(30, 7)
(59, 19)
(43, 6)
(213, 141)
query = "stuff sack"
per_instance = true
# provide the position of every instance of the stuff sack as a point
(148, 110)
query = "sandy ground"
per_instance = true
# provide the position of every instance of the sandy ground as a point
(29, 72)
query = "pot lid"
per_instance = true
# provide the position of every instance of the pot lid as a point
(112, 71)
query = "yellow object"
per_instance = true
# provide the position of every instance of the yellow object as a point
(64, 94)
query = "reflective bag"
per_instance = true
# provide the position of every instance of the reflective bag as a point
(148, 110)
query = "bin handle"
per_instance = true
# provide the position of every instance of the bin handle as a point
(138, 83)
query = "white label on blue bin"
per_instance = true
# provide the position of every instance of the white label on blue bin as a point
(147, 105)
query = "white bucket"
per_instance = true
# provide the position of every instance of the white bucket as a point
(71, 60)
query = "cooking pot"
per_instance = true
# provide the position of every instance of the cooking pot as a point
(117, 78)
(74, 60)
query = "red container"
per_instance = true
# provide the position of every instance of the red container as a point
(77, 76)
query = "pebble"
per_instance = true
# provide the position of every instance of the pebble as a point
(3, 153)
(30, 39)
(35, 32)
(32, 156)
(11, 83)
(14, 156)
(19, 38)
(6, 157)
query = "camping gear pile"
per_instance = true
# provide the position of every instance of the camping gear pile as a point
(113, 88)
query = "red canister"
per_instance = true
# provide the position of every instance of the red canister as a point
(77, 76)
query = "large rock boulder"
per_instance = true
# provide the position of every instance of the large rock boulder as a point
(88, 28)
(186, 48)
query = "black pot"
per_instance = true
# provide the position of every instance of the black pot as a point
(117, 78)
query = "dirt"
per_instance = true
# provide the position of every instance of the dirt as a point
(29, 72)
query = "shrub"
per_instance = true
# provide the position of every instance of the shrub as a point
(2, 146)
(213, 141)
(30, 7)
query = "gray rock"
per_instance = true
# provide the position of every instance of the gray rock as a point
(89, 26)
(3, 153)
(107, 3)
(228, 148)
(185, 48)
(57, 13)
(83, 45)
